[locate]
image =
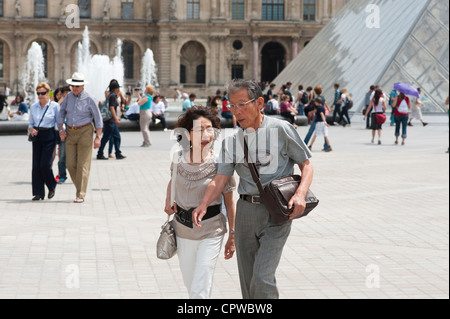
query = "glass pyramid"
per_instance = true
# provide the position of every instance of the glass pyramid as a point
(379, 42)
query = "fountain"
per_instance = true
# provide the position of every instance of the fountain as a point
(149, 69)
(34, 72)
(99, 70)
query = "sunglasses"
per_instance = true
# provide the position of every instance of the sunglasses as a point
(42, 93)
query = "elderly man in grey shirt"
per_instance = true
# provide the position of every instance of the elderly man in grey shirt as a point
(80, 112)
(275, 147)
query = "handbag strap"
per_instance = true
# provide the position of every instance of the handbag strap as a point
(43, 116)
(253, 169)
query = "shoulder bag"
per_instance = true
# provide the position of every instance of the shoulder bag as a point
(277, 195)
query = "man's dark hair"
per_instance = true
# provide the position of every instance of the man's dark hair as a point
(253, 89)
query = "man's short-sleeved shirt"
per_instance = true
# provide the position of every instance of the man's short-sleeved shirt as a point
(275, 148)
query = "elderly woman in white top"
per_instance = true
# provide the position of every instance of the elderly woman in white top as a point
(199, 247)
(43, 129)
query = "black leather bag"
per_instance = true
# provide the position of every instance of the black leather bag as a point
(280, 192)
(32, 138)
(277, 195)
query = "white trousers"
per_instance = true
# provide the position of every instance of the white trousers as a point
(198, 260)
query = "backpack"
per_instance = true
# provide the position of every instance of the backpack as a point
(269, 107)
(105, 111)
(305, 98)
(349, 104)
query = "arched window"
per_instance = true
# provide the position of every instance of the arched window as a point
(193, 57)
(128, 59)
(40, 8)
(309, 10)
(85, 8)
(273, 10)
(273, 61)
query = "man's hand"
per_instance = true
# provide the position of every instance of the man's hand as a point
(299, 204)
(198, 214)
(97, 143)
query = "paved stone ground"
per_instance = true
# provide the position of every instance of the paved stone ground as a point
(381, 230)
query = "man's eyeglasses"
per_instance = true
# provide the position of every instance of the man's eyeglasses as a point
(41, 93)
(240, 105)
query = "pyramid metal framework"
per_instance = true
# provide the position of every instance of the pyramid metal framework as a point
(379, 42)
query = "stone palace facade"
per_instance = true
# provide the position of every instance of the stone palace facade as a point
(198, 44)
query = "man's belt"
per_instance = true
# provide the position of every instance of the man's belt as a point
(185, 216)
(78, 127)
(255, 200)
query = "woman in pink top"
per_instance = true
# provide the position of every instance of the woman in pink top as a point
(286, 110)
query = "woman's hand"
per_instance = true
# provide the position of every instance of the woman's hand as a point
(170, 210)
(34, 132)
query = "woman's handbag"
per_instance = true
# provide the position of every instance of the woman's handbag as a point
(32, 138)
(381, 118)
(166, 247)
(277, 195)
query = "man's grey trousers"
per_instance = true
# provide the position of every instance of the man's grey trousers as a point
(259, 245)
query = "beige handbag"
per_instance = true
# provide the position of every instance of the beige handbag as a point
(166, 246)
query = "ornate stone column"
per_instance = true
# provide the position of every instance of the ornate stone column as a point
(294, 46)
(222, 59)
(255, 57)
(174, 61)
(214, 69)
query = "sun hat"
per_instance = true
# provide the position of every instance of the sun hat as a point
(77, 79)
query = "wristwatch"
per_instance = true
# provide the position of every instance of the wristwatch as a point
(232, 232)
